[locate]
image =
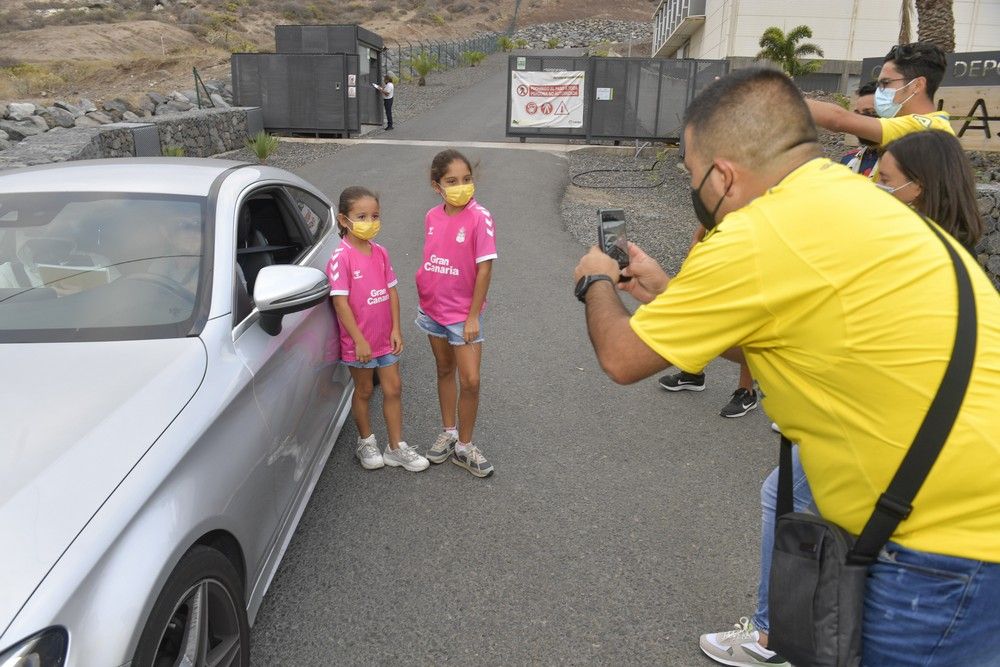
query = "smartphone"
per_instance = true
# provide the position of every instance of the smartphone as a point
(611, 235)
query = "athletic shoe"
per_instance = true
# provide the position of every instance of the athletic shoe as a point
(473, 461)
(442, 448)
(683, 382)
(367, 452)
(739, 647)
(405, 456)
(742, 402)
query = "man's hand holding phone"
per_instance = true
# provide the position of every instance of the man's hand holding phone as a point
(648, 278)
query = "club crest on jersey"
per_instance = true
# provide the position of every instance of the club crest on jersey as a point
(430, 231)
(461, 236)
(357, 274)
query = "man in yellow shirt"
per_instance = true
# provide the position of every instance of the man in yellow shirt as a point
(844, 304)
(904, 99)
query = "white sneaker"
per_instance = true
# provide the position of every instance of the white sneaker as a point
(405, 456)
(367, 452)
(740, 647)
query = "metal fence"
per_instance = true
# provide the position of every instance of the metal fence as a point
(398, 55)
(623, 98)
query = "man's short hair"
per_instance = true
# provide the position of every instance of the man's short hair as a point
(919, 59)
(750, 116)
(867, 88)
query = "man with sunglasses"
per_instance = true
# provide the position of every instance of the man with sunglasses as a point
(904, 99)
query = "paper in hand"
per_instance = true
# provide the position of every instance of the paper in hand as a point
(375, 86)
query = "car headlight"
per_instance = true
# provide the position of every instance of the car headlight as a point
(46, 649)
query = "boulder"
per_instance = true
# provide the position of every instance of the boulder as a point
(130, 117)
(87, 121)
(117, 105)
(156, 99)
(38, 121)
(19, 110)
(3, 136)
(179, 96)
(162, 109)
(66, 106)
(218, 101)
(176, 106)
(17, 130)
(100, 117)
(86, 106)
(191, 95)
(986, 204)
(58, 117)
(4, 144)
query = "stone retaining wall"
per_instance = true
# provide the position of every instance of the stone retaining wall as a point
(200, 133)
(988, 250)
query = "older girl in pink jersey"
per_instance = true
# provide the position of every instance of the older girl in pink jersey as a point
(452, 281)
(363, 288)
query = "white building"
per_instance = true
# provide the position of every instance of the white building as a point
(846, 30)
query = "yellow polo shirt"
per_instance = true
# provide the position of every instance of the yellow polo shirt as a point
(844, 303)
(894, 128)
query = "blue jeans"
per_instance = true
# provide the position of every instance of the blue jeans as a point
(803, 502)
(924, 610)
(454, 333)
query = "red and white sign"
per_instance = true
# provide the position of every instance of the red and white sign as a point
(547, 99)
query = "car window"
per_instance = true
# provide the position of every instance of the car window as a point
(268, 232)
(314, 212)
(99, 266)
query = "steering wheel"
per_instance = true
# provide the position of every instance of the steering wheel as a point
(166, 283)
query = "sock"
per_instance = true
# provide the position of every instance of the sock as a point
(452, 431)
(461, 447)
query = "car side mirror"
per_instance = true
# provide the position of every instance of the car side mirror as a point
(282, 289)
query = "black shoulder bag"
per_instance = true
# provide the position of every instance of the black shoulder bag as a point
(818, 570)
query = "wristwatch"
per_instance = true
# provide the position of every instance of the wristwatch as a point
(584, 284)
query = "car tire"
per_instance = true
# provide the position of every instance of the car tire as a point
(204, 582)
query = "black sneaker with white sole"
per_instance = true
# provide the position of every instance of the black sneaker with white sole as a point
(742, 402)
(683, 382)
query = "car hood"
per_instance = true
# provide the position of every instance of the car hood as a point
(75, 418)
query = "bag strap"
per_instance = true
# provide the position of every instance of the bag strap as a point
(895, 504)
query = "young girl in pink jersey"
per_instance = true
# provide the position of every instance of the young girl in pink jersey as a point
(459, 249)
(363, 289)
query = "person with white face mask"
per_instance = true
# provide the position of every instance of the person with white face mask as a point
(904, 99)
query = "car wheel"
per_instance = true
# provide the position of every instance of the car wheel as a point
(199, 619)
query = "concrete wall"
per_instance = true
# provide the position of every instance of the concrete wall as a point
(844, 29)
(200, 133)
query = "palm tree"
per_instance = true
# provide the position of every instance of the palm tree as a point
(423, 64)
(906, 22)
(936, 23)
(785, 50)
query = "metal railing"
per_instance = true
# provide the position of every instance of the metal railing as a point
(399, 58)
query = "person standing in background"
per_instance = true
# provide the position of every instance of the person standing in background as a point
(388, 91)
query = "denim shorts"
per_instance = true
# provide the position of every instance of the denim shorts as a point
(455, 333)
(376, 362)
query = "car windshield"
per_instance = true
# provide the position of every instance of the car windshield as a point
(99, 266)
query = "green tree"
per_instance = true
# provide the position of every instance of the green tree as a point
(786, 51)
(936, 23)
(423, 64)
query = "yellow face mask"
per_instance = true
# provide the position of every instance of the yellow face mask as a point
(459, 195)
(365, 230)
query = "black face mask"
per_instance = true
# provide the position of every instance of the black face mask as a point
(705, 217)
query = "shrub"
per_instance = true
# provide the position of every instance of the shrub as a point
(173, 151)
(262, 145)
(521, 43)
(843, 100)
(505, 43)
(472, 58)
(29, 78)
(423, 64)
(552, 43)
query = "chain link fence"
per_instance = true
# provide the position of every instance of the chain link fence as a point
(399, 54)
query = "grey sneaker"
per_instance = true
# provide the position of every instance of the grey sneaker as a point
(442, 448)
(742, 402)
(739, 647)
(405, 456)
(473, 461)
(367, 452)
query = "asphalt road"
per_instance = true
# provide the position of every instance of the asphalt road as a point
(621, 521)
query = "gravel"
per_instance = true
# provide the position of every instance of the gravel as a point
(660, 219)
(291, 155)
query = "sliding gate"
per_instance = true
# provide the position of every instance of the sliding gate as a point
(603, 98)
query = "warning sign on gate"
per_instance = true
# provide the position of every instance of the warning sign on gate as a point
(547, 99)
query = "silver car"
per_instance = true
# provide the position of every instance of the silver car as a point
(160, 430)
